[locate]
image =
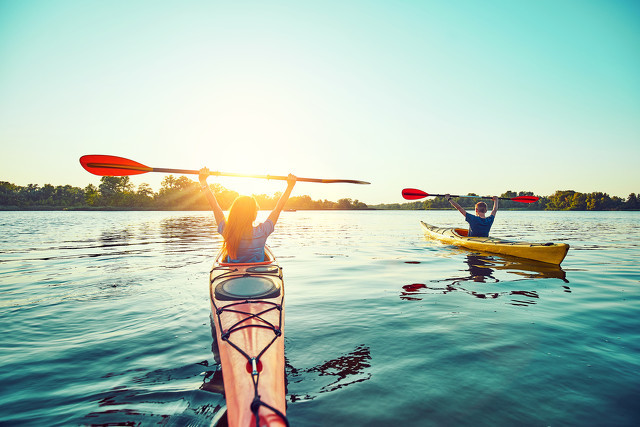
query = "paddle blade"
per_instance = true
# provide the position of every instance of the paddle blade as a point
(414, 194)
(102, 165)
(525, 199)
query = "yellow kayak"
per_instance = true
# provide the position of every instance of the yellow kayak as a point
(552, 253)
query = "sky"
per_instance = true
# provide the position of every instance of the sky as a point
(446, 96)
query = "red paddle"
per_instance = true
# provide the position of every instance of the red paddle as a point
(102, 165)
(415, 194)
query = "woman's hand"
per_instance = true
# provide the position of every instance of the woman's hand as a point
(204, 174)
(291, 180)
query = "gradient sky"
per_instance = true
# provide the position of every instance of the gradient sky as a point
(445, 96)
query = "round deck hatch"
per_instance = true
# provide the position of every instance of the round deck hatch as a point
(247, 288)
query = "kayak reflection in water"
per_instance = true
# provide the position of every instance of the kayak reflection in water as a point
(479, 267)
(479, 224)
(244, 243)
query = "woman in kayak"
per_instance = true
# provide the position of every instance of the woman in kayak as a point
(479, 224)
(243, 242)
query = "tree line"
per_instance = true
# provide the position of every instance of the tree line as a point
(182, 193)
(176, 193)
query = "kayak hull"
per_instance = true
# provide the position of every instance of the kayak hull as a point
(552, 253)
(247, 303)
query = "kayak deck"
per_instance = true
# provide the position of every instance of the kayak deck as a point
(247, 304)
(552, 253)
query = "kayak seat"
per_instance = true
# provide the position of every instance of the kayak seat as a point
(463, 232)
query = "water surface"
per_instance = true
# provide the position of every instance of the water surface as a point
(106, 320)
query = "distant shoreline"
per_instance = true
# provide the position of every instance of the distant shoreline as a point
(183, 194)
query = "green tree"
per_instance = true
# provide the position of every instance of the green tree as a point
(632, 202)
(46, 195)
(439, 202)
(300, 202)
(617, 203)
(578, 202)
(67, 196)
(115, 190)
(144, 196)
(560, 200)
(9, 195)
(357, 204)
(598, 201)
(344, 204)
(178, 193)
(327, 204)
(91, 195)
(29, 195)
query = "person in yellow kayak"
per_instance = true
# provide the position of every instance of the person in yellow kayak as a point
(244, 243)
(479, 224)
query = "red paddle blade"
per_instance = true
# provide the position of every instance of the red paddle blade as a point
(525, 199)
(102, 165)
(414, 194)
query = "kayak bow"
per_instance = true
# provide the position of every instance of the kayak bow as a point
(552, 253)
(247, 303)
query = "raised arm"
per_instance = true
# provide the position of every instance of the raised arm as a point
(275, 213)
(217, 211)
(455, 205)
(495, 205)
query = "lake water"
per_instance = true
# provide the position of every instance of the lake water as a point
(105, 320)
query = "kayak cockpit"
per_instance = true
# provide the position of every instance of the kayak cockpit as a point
(461, 232)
